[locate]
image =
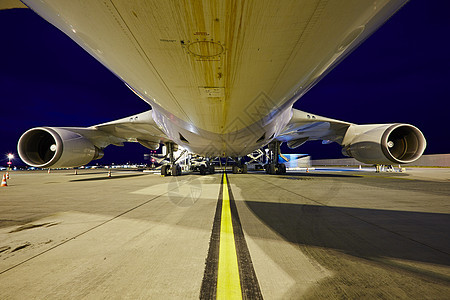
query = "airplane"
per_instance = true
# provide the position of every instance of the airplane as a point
(221, 78)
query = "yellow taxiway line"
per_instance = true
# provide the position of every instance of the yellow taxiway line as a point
(228, 281)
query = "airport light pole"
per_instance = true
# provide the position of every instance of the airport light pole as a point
(10, 156)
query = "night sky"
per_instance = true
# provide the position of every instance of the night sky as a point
(400, 74)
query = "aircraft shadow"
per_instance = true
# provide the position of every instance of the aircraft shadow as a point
(365, 233)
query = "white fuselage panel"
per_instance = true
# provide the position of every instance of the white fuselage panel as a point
(219, 74)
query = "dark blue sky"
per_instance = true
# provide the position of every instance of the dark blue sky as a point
(400, 74)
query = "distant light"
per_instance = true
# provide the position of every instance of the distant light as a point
(10, 156)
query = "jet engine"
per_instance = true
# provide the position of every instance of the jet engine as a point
(46, 147)
(384, 143)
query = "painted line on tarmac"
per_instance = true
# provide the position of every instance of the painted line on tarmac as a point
(209, 282)
(229, 272)
(228, 279)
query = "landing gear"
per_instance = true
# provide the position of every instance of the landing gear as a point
(277, 169)
(202, 165)
(273, 167)
(171, 168)
(240, 167)
(202, 169)
(174, 170)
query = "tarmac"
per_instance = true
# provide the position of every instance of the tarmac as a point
(323, 234)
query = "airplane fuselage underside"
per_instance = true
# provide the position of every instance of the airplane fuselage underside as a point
(236, 142)
(223, 72)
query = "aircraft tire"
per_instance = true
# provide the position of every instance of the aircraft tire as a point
(176, 170)
(234, 170)
(202, 170)
(282, 169)
(164, 170)
(271, 169)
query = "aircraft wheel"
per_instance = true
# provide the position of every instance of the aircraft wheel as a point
(202, 170)
(278, 170)
(282, 168)
(271, 169)
(212, 170)
(176, 170)
(164, 170)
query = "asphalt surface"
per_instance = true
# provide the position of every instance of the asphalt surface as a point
(322, 234)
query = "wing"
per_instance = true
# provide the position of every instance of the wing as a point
(10, 4)
(304, 127)
(62, 147)
(139, 128)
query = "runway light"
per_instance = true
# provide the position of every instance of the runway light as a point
(9, 156)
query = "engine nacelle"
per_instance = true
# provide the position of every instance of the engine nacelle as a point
(384, 143)
(46, 147)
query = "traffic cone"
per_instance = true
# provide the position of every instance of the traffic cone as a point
(48, 171)
(4, 181)
(7, 175)
(109, 174)
(307, 170)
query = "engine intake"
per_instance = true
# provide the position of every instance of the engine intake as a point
(384, 143)
(45, 147)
